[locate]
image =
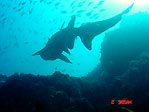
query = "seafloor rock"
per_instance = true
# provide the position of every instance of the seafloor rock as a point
(30, 93)
(125, 44)
(135, 82)
(124, 68)
(55, 93)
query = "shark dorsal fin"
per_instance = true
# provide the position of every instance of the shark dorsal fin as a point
(62, 25)
(72, 21)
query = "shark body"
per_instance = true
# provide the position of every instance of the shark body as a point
(58, 43)
(63, 40)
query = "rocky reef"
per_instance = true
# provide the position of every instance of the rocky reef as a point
(55, 93)
(122, 75)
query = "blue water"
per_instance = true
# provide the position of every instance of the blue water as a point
(26, 26)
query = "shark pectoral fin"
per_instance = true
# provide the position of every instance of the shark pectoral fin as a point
(72, 21)
(37, 53)
(64, 58)
(67, 51)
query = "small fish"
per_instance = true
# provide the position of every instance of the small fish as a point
(6, 47)
(80, 11)
(100, 3)
(4, 19)
(23, 3)
(95, 7)
(26, 42)
(57, 4)
(34, 2)
(41, 1)
(30, 10)
(95, 16)
(81, 4)
(14, 8)
(64, 70)
(30, 1)
(63, 12)
(49, 3)
(72, 3)
(2, 15)
(89, 4)
(89, 13)
(101, 10)
(20, 9)
(22, 14)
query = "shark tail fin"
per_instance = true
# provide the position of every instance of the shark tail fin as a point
(64, 58)
(127, 10)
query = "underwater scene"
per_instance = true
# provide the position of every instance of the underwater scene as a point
(74, 56)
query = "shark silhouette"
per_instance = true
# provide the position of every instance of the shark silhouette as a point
(58, 43)
(63, 40)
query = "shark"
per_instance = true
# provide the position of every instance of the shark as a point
(63, 40)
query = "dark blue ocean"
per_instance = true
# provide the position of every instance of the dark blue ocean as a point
(74, 55)
(26, 26)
